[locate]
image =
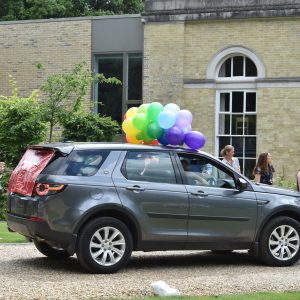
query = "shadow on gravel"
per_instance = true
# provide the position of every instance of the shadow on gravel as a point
(44, 264)
(195, 259)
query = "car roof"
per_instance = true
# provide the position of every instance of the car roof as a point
(67, 147)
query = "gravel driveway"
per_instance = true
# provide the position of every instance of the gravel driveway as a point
(27, 274)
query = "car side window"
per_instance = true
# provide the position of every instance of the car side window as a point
(202, 171)
(78, 163)
(149, 166)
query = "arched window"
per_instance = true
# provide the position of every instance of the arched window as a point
(238, 66)
(235, 71)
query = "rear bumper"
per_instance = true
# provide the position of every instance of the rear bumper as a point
(39, 229)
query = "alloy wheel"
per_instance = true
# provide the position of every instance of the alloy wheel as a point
(284, 242)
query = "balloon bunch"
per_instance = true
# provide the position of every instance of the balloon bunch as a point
(156, 124)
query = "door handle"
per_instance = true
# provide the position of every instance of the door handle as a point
(135, 188)
(199, 194)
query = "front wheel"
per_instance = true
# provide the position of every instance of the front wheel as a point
(104, 245)
(50, 251)
(280, 242)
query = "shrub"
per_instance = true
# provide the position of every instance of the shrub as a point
(88, 127)
(3, 196)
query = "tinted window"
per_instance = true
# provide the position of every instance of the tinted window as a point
(149, 166)
(202, 171)
(78, 163)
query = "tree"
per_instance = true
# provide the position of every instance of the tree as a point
(43, 9)
(63, 90)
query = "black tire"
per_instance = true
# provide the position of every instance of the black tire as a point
(280, 242)
(102, 233)
(51, 252)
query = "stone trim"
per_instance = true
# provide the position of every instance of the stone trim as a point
(166, 11)
(218, 59)
(281, 82)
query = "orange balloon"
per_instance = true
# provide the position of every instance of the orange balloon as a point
(132, 139)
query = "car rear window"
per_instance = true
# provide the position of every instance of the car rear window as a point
(23, 177)
(78, 163)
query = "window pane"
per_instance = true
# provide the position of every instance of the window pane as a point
(249, 166)
(135, 77)
(83, 163)
(223, 141)
(149, 166)
(238, 65)
(250, 102)
(250, 68)
(110, 95)
(225, 70)
(237, 125)
(250, 124)
(237, 101)
(224, 124)
(238, 144)
(250, 147)
(225, 102)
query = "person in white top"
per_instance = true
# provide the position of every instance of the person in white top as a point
(227, 152)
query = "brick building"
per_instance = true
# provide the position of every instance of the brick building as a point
(234, 64)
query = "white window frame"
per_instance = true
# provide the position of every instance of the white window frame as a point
(233, 84)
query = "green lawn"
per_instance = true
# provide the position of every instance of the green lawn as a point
(254, 296)
(9, 237)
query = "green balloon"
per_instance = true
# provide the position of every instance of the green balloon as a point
(153, 111)
(154, 130)
(147, 138)
(143, 108)
(140, 121)
(139, 136)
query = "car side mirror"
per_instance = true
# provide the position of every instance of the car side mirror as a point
(242, 184)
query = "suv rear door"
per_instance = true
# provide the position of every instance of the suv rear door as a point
(147, 185)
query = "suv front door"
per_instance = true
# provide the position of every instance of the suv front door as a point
(220, 216)
(146, 182)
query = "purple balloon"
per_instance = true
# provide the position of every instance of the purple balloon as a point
(174, 136)
(184, 118)
(194, 139)
(162, 139)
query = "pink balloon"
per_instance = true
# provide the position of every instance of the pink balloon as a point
(184, 118)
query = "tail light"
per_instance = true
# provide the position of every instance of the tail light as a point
(43, 189)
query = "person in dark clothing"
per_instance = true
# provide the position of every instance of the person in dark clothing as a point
(264, 170)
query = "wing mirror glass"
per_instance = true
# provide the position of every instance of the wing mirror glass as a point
(242, 184)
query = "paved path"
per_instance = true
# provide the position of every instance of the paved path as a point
(27, 274)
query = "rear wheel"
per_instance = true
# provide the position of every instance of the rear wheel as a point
(280, 242)
(50, 251)
(104, 245)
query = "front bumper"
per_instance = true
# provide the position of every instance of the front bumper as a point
(40, 230)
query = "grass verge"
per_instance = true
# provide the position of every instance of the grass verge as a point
(9, 237)
(252, 296)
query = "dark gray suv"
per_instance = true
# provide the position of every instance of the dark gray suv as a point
(102, 201)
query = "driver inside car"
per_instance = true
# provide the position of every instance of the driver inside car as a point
(192, 177)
